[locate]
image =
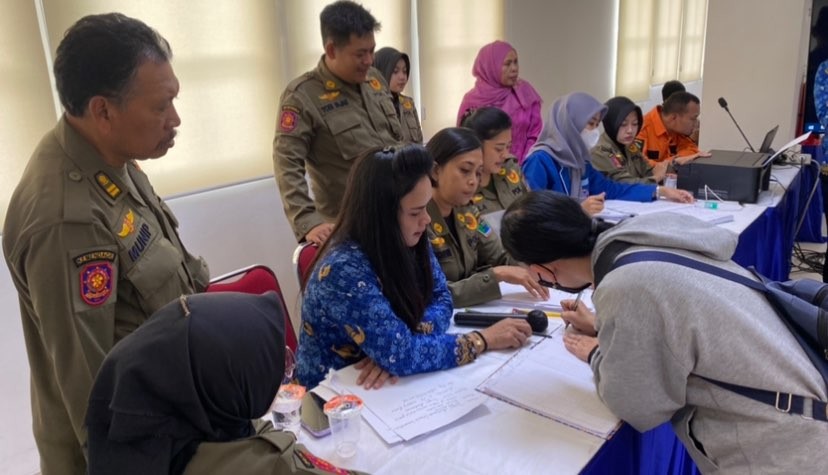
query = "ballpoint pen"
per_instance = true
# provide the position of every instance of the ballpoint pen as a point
(575, 306)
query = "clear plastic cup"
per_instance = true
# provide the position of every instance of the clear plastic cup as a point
(344, 417)
(285, 408)
(670, 180)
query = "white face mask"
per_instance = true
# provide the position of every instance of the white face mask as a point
(590, 137)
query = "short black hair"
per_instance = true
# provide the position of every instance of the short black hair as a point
(671, 87)
(339, 20)
(677, 103)
(100, 54)
(451, 142)
(487, 122)
(544, 226)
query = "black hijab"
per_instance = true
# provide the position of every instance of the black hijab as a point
(386, 60)
(618, 108)
(197, 371)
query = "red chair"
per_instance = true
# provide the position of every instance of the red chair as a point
(255, 279)
(303, 257)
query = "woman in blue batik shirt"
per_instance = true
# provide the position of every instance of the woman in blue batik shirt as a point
(560, 160)
(376, 295)
(821, 101)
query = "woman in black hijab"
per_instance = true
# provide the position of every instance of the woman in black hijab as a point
(617, 155)
(186, 383)
(395, 68)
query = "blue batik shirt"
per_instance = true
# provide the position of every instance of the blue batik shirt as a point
(346, 317)
(821, 102)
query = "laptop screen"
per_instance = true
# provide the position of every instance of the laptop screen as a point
(766, 144)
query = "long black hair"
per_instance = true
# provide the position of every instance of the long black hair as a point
(370, 217)
(544, 226)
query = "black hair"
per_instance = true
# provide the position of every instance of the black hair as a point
(100, 54)
(671, 87)
(487, 122)
(339, 20)
(370, 217)
(451, 142)
(677, 103)
(544, 226)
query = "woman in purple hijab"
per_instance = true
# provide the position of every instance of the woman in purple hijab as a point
(497, 85)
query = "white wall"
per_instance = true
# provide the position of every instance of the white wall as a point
(755, 57)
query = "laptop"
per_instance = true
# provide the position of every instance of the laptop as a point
(766, 144)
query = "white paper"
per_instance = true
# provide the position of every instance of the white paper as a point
(788, 145)
(415, 405)
(494, 219)
(520, 298)
(547, 380)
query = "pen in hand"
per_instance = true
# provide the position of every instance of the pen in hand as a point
(574, 306)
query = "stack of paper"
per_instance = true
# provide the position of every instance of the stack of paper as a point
(414, 406)
(517, 296)
(547, 380)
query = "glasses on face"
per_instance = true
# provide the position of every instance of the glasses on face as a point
(555, 285)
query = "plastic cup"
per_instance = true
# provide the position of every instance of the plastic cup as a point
(285, 408)
(344, 417)
(671, 180)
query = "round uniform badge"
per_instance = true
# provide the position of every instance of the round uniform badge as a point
(407, 105)
(437, 227)
(513, 177)
(438, 241)
(330, 85)
(96, 283)
(375, 84)
(287, 123)
(634, 148)
(471, 221)
(502, 171)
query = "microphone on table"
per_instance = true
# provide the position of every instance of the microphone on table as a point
(536, 319)
(723, 103)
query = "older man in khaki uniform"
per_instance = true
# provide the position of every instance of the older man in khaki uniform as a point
(92, 250)
(328, 117)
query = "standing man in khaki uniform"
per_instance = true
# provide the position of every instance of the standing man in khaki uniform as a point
(92, 250)
(330, 116)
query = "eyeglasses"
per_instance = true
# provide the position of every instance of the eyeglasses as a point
(555, 285)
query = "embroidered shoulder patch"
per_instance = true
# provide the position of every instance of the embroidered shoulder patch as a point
(128, 225)
(513, 177)
(102, 255)
(96, 283)
(484, 228)
(309, 461)
(288, 120)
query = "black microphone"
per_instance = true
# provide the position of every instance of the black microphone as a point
(723, 103)
(537, 319)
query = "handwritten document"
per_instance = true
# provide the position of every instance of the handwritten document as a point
(517, 296)
(547, 380)
(415, 405)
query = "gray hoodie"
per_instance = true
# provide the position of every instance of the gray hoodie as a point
(661, 326)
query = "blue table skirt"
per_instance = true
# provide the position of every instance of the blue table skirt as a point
(657, 451)
(768, 242)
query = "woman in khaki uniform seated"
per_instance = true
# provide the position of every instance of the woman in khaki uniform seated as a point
(178, 395)
(395, 67)
(502, 181)
(617, 155)
(468, 249)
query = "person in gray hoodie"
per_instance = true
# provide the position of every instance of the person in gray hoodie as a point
(661, 329)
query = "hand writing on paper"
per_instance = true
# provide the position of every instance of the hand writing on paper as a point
(372, 376)
(581, 317)
(521, 276)
(580, 345)
(508, 333)
(593, 204)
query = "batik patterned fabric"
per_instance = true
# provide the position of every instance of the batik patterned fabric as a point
(821, 101)
(346, 317)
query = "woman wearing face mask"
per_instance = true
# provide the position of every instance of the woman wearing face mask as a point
(376, 296)
(497, 84)
(616, 155)
(559, 161)
(468, 249)
(501, 182)
(395, 67)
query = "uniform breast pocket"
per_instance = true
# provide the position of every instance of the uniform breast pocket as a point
(413, 127)
(155, 274)
(349, 133)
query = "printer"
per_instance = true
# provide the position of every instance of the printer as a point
(728, 175)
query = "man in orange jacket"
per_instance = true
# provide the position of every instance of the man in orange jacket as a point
(666, 130)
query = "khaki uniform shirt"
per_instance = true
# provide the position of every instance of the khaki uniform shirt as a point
(508, 185)
(467, 259)
(92, 258)
(623, 166)
(409, 120)
(269, 452)
(324, 124)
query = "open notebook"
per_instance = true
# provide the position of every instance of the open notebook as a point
(549, 381)
(517, 296)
